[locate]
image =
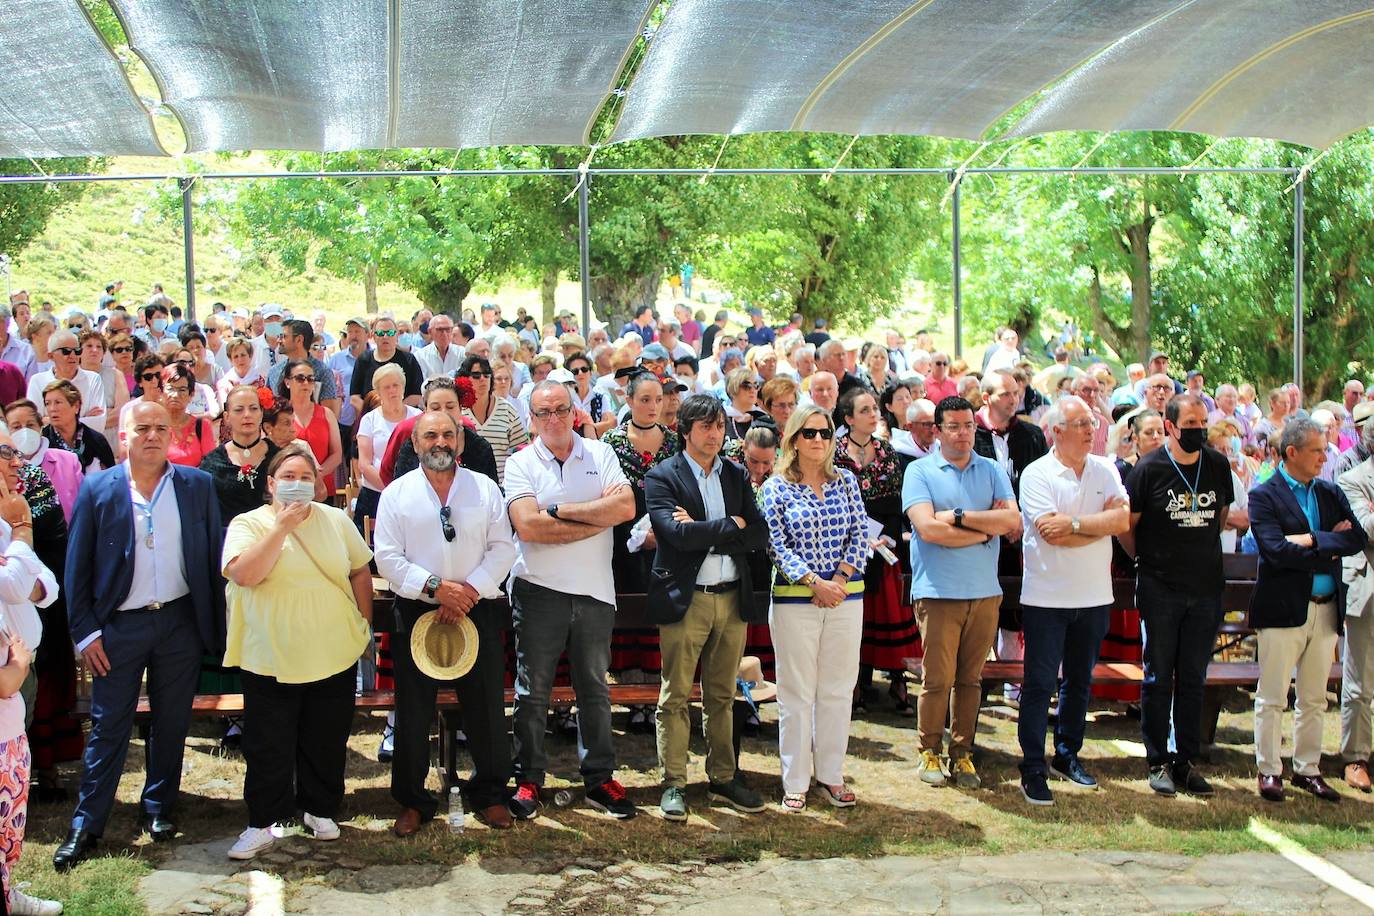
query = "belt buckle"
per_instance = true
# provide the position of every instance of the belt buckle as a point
(153, 606)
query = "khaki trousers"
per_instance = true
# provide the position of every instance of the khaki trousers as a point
(956, 635)
(1310, 649)
(712, 632)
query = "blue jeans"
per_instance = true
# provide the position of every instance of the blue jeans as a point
(544, 622)
(1071, 636)
(1178, 632)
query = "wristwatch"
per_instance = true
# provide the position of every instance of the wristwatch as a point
(1076, 525)
(552, 510)
(959, 518)
(432, 586)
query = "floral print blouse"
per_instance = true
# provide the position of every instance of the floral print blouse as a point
(637, 464)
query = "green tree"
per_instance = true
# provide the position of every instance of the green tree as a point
(26, 208)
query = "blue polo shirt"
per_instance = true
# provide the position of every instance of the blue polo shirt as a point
(1322, 584)
(958, 573)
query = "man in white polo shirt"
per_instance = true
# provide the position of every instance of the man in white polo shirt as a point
(1072, 503)
(564, 494)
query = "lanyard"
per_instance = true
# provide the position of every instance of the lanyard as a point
(1197, 478)
(157, 494)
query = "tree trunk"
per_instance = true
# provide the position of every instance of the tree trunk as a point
(1112, 335)
(548, 285)
(445, 294)
(617, 297)
(370, 288)
(1142, 289)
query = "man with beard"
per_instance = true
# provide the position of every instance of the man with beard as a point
(444, 544)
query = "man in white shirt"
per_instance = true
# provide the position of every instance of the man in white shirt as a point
(1072, 503)
(444, 543)
(565, 495)
(265, 355)
(66, 359)
(441, 356)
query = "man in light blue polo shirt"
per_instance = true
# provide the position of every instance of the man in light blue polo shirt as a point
(959, 503)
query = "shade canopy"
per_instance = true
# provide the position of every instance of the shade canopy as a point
(370, 74)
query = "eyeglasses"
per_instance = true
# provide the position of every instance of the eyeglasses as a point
(559, 412)
(1082, 426)
(959, 427)
(151, 377)
(581, 370)
(941, 362)
(302, 378)
(9, 453)
(925, 424)
(479, 374)
(390, 332)
(67, 351)
(188, 363)
(811, 433)
(121, 349)
(446, 520)
(319, 346)
(178, 390)
(1160, 387)
(749, 385)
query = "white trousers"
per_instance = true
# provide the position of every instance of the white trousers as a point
(1310, 649)
(1357, 688)
(817, 652)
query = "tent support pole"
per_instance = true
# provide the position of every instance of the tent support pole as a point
(1297, 281)
(584, 253)
(188, 240)
(956, 279)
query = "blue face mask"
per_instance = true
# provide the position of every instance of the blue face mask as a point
(295, 491)
(272, 329)
(159, 324)
(1235, 447)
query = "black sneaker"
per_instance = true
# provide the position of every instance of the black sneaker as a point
(1071, 770)
(609, 797)
(737, 795)
(1036, 790)
(1190, 781)
(525, 803)
(1161, 780)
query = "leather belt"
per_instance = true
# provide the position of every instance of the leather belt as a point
(718, 589)
(1324, 599)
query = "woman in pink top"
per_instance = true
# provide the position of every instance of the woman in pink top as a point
(62, 467)
(192, 438)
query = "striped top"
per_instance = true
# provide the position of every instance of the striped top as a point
(503, 431)
(807, 533)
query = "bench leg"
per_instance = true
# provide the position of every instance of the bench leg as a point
(1212, 697)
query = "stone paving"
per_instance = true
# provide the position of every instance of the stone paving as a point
(320, 878)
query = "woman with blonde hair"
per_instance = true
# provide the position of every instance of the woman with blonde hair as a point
(818, 541)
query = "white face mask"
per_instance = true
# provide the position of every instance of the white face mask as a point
(295, 491)
(27, 441)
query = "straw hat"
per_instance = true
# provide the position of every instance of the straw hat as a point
(443, 651)
(751, 673)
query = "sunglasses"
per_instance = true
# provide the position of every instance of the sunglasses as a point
(391, 332)
(749, 385)
(186, 362)
(479, 374)
(446, 520)
(321, 347)
(941, 362)
(121, 349)
(581, 370)
(302, 378)
(67, 351)
(151, 377)
(809, 433)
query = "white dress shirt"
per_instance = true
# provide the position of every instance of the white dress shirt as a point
(432, 364)
(265, 357)
(88, 383)
(591, 471)
(1066, 577)
(717, 567)
(409, 537)
(21, 569)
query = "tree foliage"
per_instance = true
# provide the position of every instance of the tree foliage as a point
(25, 209)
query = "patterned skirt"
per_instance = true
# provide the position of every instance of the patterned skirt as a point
(1121, 644)
(15, 765)
(54, 734)
(890, 631)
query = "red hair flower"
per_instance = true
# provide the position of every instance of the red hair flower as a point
(467, 396)
(266, 399)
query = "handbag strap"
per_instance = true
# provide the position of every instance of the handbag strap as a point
(348, 592)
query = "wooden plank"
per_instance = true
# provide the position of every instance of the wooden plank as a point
(1219, 674)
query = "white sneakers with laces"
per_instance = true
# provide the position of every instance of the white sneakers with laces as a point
(322, 827)
(251, 842)
(21, 904)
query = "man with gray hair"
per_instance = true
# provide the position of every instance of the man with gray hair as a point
(1357, 665)
(830, 358)
(917, 439)
(66, 366)
(1228, 401)
(1303, 526)
(13, 349)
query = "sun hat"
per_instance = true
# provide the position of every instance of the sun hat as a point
(751, 676)
(443, 651)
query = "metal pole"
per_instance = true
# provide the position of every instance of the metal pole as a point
(188, 240)
(584, 252)
(1297, 282)
(957, 281)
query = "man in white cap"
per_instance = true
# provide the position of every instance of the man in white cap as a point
(265, 355)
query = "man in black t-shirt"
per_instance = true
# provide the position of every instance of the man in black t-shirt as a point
(1179, 499)
(384, 351)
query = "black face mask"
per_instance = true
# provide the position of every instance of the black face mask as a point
(1192, 440)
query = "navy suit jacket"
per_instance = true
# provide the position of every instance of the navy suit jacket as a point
(100, 552)
(1284, 584)
(682, 546)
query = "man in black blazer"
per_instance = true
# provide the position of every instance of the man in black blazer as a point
(701, 595)
(144, 593)
(1303, 526)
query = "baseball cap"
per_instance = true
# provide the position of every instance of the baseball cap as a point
(572, 339)
(1195, 373)
(105, 301)
(1157, 354)
(271, 309)
(756, 312)
(239, 313)
(655, 351)
(561, 375)
(360, 322)
(671, 384)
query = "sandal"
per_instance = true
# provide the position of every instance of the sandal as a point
(793, 802)
(839, 795)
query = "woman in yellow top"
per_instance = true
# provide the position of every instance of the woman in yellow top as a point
(300, 612)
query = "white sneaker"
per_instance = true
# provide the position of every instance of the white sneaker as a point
(322, 827)
(21, 904)
(251, 842)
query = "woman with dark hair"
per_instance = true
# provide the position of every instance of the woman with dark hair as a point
(64, 430)
(585, 398)
(893, 402)
(741, 405)
(191, 437)
(314, 423)
(497, 421)
(890, 634)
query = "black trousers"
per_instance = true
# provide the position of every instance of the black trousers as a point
(295, 742)
(481, 694)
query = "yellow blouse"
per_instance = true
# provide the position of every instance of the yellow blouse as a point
(297, 625)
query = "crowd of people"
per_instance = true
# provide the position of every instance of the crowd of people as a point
(168, 492)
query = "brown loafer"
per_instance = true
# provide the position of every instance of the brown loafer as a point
(496, 817)
(1271, 788)
(1317, 786)
(1357, 775)
(407, 824)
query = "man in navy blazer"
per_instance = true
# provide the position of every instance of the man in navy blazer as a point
(1303, 526)
(701, 595)
(144, 593)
